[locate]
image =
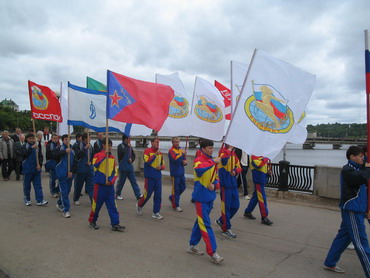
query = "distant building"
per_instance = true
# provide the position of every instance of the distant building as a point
(9, 103)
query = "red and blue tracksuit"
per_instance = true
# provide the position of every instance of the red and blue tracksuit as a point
(104, 191)
(153, 178)
(61, 170)
(205, 173)
(176, 157)
(31, 174)
(229, 168)
(260, 167)
(353, 205)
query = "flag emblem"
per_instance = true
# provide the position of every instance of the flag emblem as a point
(179, 107)
(207, 110)
(268, 110)
(39, 100)
(92, 111)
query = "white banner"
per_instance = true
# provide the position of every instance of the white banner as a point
(238, 74)
(63, 126)
(274, 96)
(208, 111)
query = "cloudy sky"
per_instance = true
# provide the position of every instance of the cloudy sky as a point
(53, 41)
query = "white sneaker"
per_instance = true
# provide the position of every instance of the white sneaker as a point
(246, 197)
(55, 195)
(216, 258)
(157, 216)
(42, 203)
(66, 214)
(351, 246)
(119, 197)
(192, 249)
(139, 210)
(178, 209)
(27, 203)
(77, 203)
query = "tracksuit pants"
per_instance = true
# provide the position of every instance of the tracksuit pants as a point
(80, 179)
(352, 229)
(242, 180)
(104, 194)
(123, 175)
(35, 178)
(202, 227)
(178, 187)
(229, 206)
(150, 186)
(259, 196)
(65, 185)
(53, 182)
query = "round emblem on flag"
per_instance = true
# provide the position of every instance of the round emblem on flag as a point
(267, 109)
(207, 110)
(179, 107)
(39, 100)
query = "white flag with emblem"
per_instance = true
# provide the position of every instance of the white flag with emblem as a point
(208, 111)
(273, 98)
(177, 122)
(238, 74)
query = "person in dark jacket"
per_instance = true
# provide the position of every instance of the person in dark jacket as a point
(32, 171)
(51, 148)
(126, 158)
(353, 205)
(18, 156)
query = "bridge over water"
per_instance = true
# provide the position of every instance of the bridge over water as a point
(336, 142)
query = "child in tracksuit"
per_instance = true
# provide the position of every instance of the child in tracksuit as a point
(229, 168)
(205, 182)
(177, 158)
(51, 163)
(85, 170)
(32, 171)
(353, 205)
(260, 170)
(65, 175)
(104, 188)
(153, 166)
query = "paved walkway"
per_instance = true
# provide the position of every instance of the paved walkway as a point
(38, 242)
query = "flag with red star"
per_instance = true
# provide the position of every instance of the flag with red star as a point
(139, 102)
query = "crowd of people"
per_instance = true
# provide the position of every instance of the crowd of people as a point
(96, 168)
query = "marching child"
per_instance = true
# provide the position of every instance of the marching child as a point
(32, 171)
(51, 163)
(177, 158)
(153, 166)
(205, 182)
(104, 188)
(65, 174)
(229, 168)
(353, 205)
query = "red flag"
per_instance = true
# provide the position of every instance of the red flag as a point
(137, 102)
(226, 94)
(44, 103)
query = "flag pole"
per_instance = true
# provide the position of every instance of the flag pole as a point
(106, 151)
(69, 154)
(367, 78)
(186, 144)
(37, 150)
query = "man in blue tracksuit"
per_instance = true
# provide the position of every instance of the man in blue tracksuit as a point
(65, 174)
(177, 158)
(32, 171)
(126, 158)
(85, 170)
(353, 204)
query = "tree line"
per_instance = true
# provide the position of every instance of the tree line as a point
(338, 130)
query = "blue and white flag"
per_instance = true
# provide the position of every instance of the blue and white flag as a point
(273, 98)
(87, 108)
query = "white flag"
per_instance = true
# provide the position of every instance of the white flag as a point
(238, 74)
(63, 126)
(273, 98)
(300, 131)
(208, 111)
(177, 122)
